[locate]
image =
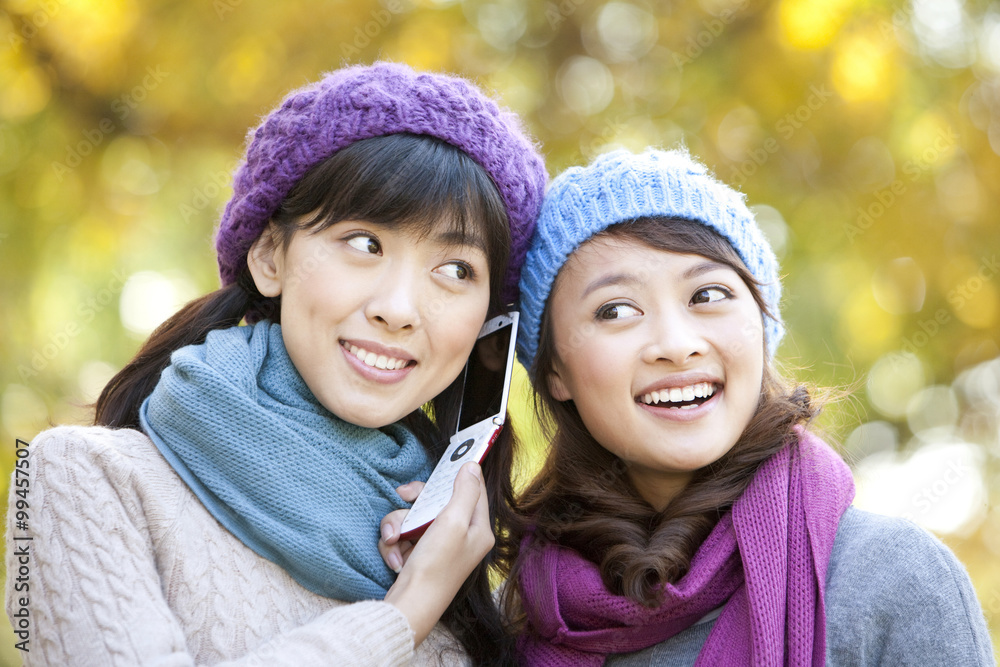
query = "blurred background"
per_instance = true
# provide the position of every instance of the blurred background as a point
(865, 134)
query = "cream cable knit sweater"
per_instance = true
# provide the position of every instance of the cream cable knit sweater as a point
(128, 568)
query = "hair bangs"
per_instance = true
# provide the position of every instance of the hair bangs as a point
(412, 182)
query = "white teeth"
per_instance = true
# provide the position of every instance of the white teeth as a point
(377, 360)
(680, 394)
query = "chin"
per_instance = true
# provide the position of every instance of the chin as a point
(363, 417)
(364, 423)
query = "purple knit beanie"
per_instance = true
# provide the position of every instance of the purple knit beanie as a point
(361, 102)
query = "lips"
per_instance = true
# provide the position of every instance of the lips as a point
(374, 359)
(687, 395)
(376, 362)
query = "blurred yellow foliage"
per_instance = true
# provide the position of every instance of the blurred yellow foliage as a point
(863, 66)
(867, 132)
(812, 24)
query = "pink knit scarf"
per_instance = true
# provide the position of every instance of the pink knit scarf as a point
(768, 557)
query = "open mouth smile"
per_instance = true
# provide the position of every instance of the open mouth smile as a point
(679, 398)
(375, 360)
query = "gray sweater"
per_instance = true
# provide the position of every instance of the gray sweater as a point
(895, 595)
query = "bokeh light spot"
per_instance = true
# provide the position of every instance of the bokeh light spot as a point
(939, 486)
(868, 327)
(862, 67)
(149, 298)
(893, 380)
(585, 85)
(810, 24)
(899, 286)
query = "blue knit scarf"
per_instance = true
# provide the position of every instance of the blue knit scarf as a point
(295, 483)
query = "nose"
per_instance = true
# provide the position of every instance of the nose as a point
(676, 337)
(395, 303)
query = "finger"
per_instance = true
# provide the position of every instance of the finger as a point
(481, 513)
(392, 556)
(466, 493)
(481, 528)
(410, 491)
(405, 549)
(390, 526)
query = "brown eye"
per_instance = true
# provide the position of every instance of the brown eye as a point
(365, 243)
(710, 294)
(616, 311)
(456, 270)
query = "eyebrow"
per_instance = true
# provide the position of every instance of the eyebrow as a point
(453, 237)
(703, 267)
(612, 279)
(633, 280)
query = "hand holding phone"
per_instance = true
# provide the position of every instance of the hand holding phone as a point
(435, 568)
(486, 386)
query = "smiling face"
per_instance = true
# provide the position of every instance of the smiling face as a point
(662, 354)
(378, 320)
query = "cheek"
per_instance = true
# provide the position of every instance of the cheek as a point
(589, 367)
(456, 328)
(743, 341)
(745, 352)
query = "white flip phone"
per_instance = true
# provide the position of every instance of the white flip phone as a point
(486, 385)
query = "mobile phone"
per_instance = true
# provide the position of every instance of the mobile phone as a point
(486, 384)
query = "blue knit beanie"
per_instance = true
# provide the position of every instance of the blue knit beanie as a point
(618, 187)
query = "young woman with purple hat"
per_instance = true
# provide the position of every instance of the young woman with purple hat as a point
(225, 506)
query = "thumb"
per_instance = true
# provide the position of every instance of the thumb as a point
(466, 492)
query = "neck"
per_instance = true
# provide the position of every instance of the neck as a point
(656, 487)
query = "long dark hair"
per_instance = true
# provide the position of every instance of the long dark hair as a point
(582, 498)
(403, 181)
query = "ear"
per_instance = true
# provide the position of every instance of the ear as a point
(265, 265)
(557, 387)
